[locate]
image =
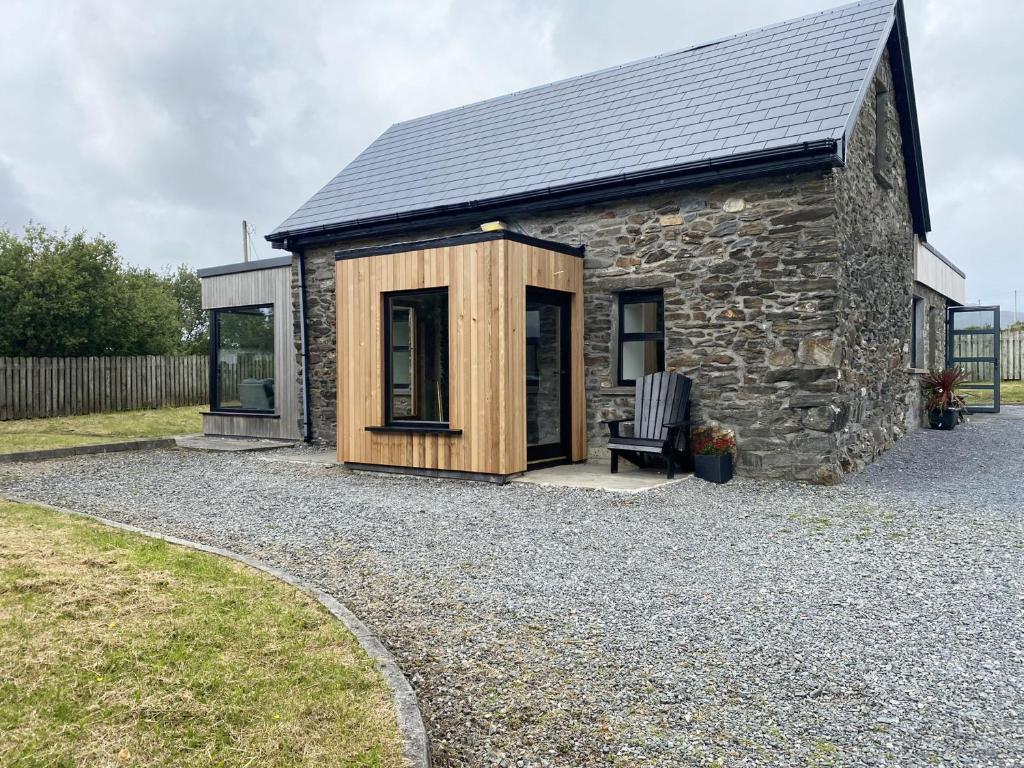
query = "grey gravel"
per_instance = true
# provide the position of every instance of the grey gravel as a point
(879, 623)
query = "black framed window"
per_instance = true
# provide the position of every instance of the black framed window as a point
(416, 357)
(641, 335)
(242, 359)
(917, 333)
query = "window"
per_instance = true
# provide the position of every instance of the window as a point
(917, 333)
(242, 348)
(416, 358)
(641, 335)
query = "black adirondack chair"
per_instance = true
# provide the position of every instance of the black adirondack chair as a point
(661, 415)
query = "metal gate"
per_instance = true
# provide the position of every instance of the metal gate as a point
(972, 344)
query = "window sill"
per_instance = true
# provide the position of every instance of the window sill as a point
(416, 429)
(249, 414)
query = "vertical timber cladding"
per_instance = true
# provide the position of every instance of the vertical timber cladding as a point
(486, 284)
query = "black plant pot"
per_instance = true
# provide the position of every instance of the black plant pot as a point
(714, 469)
(942, 419)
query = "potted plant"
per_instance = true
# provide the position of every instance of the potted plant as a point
(944, 403)
(713, 457)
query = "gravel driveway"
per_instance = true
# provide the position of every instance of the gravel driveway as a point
(877, 623)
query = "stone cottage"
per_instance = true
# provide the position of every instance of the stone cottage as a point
(751, 212)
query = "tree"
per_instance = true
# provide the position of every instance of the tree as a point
(193, 320)
(68, 295)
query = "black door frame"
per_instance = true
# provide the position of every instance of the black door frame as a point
(550, 454)
(953, 360)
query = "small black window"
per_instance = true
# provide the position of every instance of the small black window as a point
(416, 357)
(242, 364)
(641, 335)
(917, 333)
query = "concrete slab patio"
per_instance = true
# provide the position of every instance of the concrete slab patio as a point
(597, 475)
(876, 623)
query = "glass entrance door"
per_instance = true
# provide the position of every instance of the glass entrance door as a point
(972, 344)
(547, 376)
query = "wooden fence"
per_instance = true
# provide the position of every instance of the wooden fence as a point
(1011, 354)
(38, 387)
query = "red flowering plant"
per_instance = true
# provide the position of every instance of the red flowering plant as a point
(718, 443)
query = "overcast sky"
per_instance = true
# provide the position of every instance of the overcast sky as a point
(163, 125)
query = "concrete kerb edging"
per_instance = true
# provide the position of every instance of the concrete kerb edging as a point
(84, 450)
(415, 745)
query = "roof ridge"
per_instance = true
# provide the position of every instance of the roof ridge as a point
(644, 60)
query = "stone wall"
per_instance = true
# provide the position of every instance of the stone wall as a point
(787, 300)
(878, 393)
(321, 327)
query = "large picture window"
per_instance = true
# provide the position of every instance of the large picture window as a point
(416, 358)
(641, 335)
(242, 348)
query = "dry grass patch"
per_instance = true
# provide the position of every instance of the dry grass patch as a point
(95, 428)
(118, 650)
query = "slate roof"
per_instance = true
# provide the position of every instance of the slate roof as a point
(779, 86)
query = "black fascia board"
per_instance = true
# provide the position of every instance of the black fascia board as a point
(812, 155)
(906, 104)
(464, 239)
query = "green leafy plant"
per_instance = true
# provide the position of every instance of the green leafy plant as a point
(941, 390)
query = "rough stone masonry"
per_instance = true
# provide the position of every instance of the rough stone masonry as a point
(786, 300)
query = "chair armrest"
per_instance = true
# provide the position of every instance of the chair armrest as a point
(613, 425)
(677, 424)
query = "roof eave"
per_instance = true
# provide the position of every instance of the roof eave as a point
(906, 103)
(823, 153)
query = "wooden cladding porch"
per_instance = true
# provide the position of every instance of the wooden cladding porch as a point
(486, 284)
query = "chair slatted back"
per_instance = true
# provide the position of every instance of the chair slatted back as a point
(661, 398)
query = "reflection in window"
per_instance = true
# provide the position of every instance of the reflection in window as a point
(243, 359)
(417, 357)
(532, 349)
(641, 335)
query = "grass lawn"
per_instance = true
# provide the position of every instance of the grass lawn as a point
(64, 431)
(118, 650)
(1012, 392)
